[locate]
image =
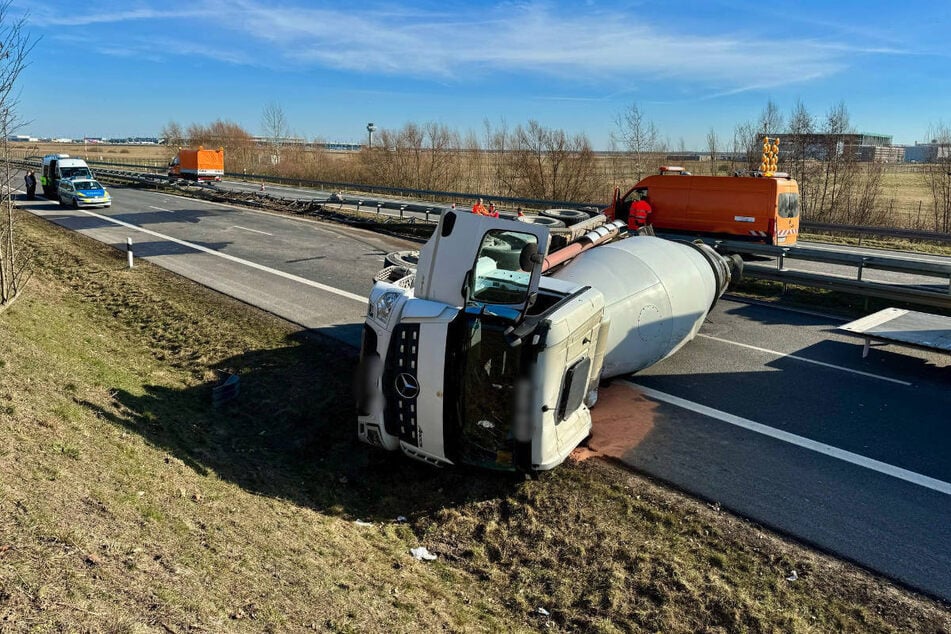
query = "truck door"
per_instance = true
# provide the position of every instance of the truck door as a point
(479, 259)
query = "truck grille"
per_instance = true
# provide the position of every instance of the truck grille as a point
(401, 385)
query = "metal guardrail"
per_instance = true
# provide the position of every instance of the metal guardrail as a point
(892, 292)
(910, 293)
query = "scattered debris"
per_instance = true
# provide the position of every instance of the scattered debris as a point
(362, 523)
(400, 519)
(422, 553)
(542, 612)
(792, 577)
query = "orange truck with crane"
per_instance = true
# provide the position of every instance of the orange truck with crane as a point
(197, 165)
(760, 206)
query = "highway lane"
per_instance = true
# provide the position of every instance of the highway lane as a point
(686, 426)
(216, 243)
(792, 264)
(891, 407)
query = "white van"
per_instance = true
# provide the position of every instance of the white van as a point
(57, 166)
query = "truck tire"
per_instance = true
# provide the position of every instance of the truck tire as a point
(407, 259)
(567, 216)
(551, 223)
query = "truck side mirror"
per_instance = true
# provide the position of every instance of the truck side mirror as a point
(529, 257)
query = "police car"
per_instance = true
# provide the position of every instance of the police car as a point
(83, 192)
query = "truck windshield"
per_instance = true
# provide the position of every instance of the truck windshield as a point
(485, 403)
(73, 172)
(499, 276)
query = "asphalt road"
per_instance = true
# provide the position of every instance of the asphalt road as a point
(938, 283)
(771, 413)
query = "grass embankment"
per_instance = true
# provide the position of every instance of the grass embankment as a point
(129, 504)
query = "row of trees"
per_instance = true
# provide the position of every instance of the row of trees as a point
(532, 161)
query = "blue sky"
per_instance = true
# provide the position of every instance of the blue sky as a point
(129, 67)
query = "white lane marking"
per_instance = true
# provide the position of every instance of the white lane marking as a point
(160, 209)
(805, 443)
(805, 360)
(253, 230)
(231, 258)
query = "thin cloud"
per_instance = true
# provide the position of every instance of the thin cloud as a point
(45, 17)
(528, 38)
(584, 45)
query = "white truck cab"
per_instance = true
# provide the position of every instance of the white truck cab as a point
(487, 361)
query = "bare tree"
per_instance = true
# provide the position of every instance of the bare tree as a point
(837, 158)
(745, 147)
(417, 156)
(173, 134)
(639, 136)
(275, 129)
(713, 147)
(15, 47)
(770, 120)
(549, 164)
(937, 175)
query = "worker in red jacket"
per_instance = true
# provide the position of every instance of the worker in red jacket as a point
(479, 208)
(640, 212)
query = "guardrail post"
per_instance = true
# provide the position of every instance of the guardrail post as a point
(402, 207)
(378, 206)
(359, 204)
(861, 269)
(428, 209)
(128, 250)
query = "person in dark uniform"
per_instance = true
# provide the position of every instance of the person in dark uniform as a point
(30, 180)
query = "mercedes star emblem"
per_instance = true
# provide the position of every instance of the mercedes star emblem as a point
(407, 386)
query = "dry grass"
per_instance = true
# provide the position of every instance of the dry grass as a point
(129, 504)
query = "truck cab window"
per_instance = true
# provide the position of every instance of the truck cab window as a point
(789, 205)
(498, 277)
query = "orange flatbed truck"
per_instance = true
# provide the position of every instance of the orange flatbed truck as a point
(759, 208)
(198, 165)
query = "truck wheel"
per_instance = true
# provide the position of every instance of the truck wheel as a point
(551, 223)
(567, 216)
(407, 259)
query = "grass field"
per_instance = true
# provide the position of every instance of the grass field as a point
(128, 503)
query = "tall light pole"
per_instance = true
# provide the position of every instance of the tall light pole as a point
(370, 130)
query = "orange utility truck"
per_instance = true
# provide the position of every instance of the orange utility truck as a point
(198, 165)
(761, 206)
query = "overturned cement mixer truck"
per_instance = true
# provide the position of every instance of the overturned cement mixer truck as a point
(492, 352)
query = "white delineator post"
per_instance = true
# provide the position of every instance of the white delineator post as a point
(128, 250)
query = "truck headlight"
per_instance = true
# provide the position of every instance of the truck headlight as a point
(385, 304)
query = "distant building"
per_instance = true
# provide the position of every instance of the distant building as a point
(927, 152)
(683, 158)
(865, 146)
